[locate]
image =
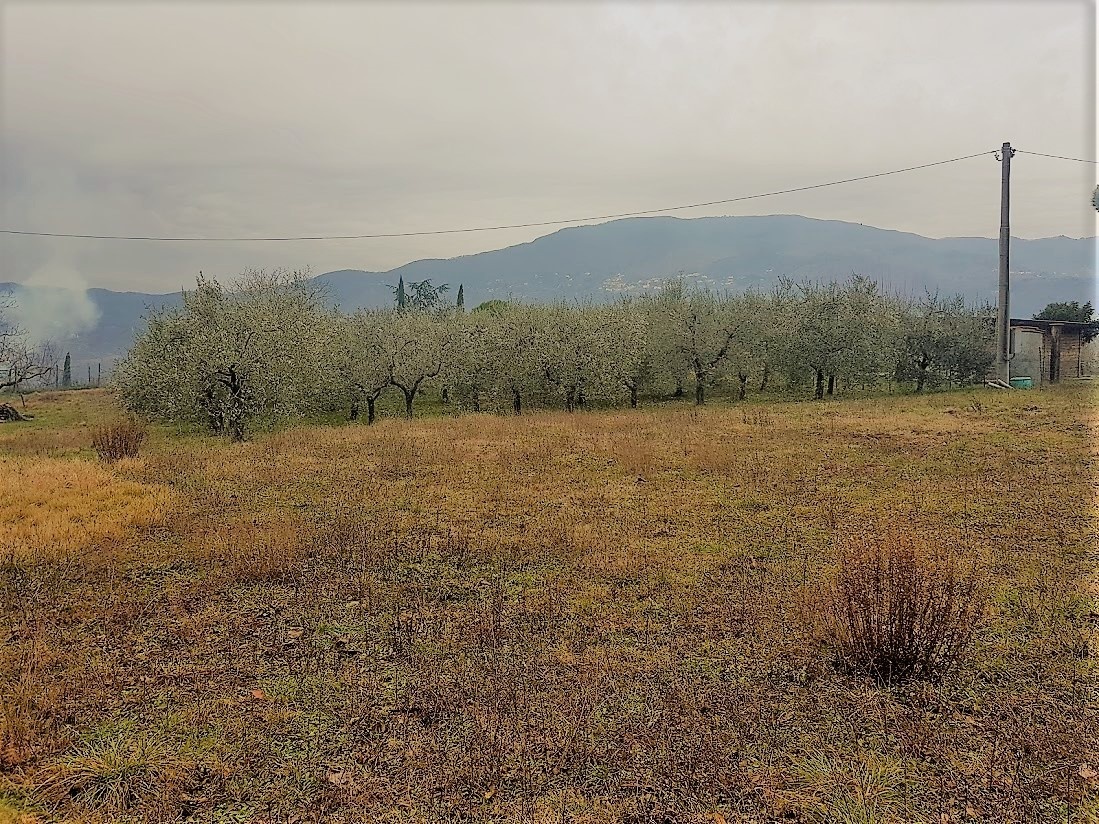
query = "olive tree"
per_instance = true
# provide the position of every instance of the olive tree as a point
(663, 313)
(776, 321)
(416, 346)
(702, 328)
(514, 340)
(945, 340)
(230, 353)
(632, 350)
(750, 346)
(471, 366)
(156, 378)
(574, 353)
(358, 359)
(974, 333)
(839, 329)
(922, 345)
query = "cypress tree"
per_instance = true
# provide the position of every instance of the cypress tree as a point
(402, 299)
(461, 296)
(67, 375)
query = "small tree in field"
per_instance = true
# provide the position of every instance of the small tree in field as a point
(702, 328)
(416, 345)
(256, 344)
(941, 339)
(777, 318)
(515, 338)
(229, 354)
(471, 367)
(663, 311)
(359, 359)
(746, 354)
(839, 330)
(633, 356)
(577, 351)
(156, 379)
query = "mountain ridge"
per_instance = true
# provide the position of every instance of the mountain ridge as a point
(634, 254)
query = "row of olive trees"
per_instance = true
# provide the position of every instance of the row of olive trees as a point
(269, 346)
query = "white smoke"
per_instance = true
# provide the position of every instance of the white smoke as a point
(53, 304)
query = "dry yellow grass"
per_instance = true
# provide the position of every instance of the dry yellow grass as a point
(554, 618)
(51, 506)
(10, 815)
(62, 425)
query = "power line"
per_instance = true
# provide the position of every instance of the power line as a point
(1057, 157)
(505, 226)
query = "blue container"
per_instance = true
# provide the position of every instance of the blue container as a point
(1022, 383)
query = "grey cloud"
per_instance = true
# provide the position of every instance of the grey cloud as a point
(277, 118)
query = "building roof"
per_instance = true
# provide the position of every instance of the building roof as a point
(1047, 325)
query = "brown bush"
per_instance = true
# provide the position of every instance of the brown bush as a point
(119, 440)
(897, 610)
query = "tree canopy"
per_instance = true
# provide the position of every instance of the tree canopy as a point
(1071, 311)
(267, 346)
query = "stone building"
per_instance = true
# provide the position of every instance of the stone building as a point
(1048, 351)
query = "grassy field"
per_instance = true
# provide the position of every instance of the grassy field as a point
(598, 617)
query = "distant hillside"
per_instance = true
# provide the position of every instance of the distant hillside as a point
(736, 252)
(120, 316)
(724, 252)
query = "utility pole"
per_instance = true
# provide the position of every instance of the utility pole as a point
(1003, 310)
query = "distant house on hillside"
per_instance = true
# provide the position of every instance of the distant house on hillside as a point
(1048, 351)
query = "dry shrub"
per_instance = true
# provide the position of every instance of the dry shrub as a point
(119, 440)
(897, 609)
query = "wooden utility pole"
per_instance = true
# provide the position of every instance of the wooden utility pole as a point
(1003, 309)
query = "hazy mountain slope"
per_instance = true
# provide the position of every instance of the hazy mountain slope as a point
(117, 317)
(635, 253)
(739, 251)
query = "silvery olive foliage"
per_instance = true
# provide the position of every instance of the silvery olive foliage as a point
(269, 346)
(230, 354)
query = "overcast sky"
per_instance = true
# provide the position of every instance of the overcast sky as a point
(287, 118)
